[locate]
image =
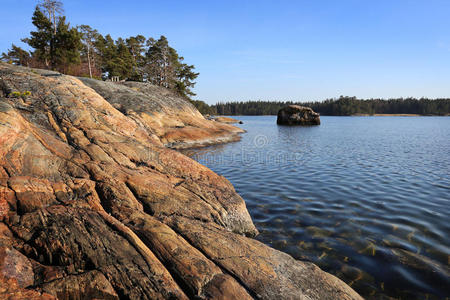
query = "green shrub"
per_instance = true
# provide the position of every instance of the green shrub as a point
(23, 95)
(15, 95)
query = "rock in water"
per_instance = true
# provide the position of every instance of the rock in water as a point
(226, 120)
(92, 205)
(297, 115)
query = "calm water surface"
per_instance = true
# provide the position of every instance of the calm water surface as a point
(365, 198)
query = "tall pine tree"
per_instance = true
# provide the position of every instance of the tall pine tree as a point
(116, 58)
(136, 46)
(67, 46)
(57, 51)
(88, 39)
(164, 67)
(42, 39)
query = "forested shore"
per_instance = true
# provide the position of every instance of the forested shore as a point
(342, 106)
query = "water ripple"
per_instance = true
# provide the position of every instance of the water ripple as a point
(366, 199)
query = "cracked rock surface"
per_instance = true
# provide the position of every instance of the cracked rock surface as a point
(94, 205)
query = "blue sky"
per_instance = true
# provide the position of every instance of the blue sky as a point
(280, 50)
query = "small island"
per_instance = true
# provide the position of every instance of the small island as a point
(297, 115)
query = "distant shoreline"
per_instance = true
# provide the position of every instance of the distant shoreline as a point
(357, 115)
(396, 115)
(389, 115)
(342, 106)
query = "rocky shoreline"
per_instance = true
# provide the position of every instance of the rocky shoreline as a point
(94, 205)
(171, 119)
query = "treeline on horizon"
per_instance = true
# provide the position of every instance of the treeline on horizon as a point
(343, 106)
(83, 51)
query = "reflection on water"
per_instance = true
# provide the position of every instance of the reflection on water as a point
(365, 198)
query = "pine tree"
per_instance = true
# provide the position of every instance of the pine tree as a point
(123, 61)
(116, 59)
(52, 8)
(106, 49)
(157, 61)
(88, 39)
(17, 56)
(136, 46)
(164, 67)
(67, 46)
(42, 39)
(185, 77)
(58, 51)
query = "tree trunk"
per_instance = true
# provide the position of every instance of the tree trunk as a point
(54, 22)
(89, 60)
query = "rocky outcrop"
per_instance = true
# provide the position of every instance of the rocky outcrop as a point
(297, 115)
(92, 205)
(227, 120)
(166, 116)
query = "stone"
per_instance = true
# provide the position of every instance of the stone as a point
(226, 120)
(90, 285)
(14, 264)
(297, 115)
(9, 289)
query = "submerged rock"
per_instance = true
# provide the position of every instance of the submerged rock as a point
(92, 205)
(228, 120)
(297, 115)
